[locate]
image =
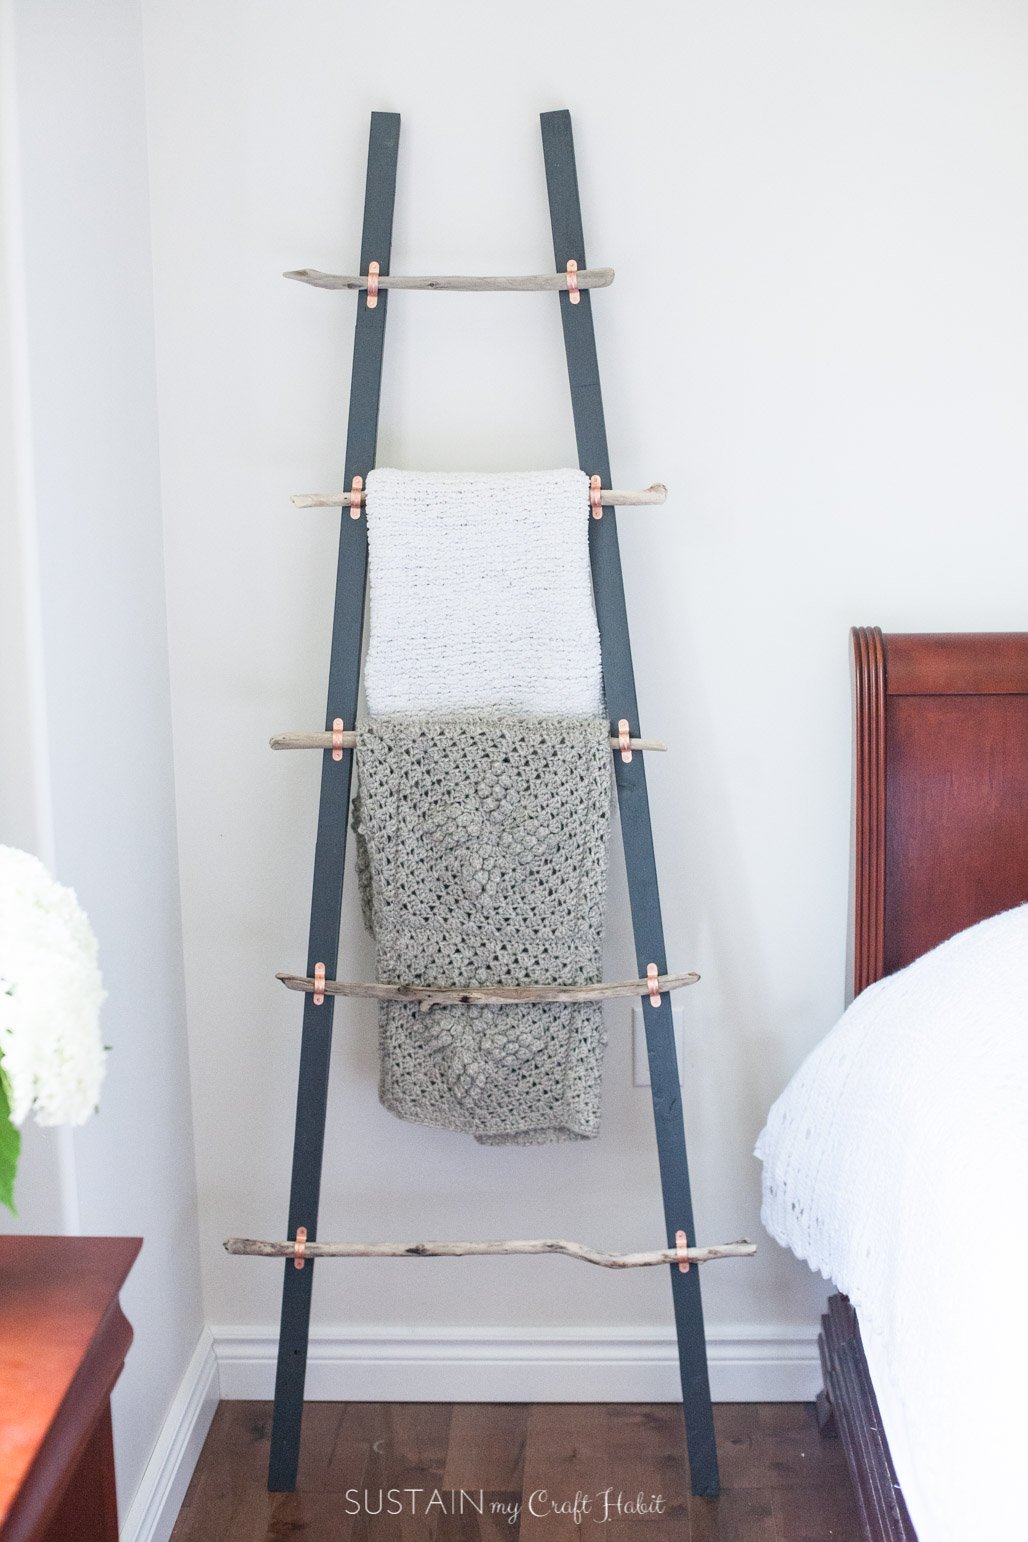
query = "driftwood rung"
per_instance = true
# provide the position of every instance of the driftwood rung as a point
(349, 739)
(488, 995)
(627, 497)
(588, 278)
(586, 1255)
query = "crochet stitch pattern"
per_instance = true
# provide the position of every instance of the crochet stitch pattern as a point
(482, 860)
(481, 593)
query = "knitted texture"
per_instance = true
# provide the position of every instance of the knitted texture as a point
(482, 856)
(893, 1161)
(480, 593)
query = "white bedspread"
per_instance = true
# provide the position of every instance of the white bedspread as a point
(896, 1163)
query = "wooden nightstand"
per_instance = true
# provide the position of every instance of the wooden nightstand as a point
(63, 1340)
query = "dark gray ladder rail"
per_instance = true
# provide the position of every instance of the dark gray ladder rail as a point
(333, 809)
(644, 895)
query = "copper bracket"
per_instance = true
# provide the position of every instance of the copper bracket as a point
(651, 977)
(624, 740)
(574, 294)
(681, 1243)
(356, 497)
(337, 738)
(594, 497)
(319, 984)
(299, 1257)
(373, 272)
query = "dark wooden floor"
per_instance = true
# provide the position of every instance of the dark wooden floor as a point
(782, 1482)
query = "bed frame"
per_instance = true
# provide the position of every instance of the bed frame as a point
(941, 821)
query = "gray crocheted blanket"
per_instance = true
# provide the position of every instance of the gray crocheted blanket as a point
(482, 858)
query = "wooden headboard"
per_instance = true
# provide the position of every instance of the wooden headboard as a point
(941, 788)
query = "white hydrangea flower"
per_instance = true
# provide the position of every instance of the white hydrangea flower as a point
(50, 996)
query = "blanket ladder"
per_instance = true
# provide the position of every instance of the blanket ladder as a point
(572, 280)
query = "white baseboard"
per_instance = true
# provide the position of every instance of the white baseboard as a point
(460, 1365)
(601, 1365)
(166, 1476)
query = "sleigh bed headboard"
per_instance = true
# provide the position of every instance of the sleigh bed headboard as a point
(941, 788)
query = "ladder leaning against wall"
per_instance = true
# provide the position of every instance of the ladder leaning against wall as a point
(573, 281)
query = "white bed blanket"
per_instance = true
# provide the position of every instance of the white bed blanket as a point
(481, 593)
(896, 1164)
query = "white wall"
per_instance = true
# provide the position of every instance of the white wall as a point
(819, 218)
(89, 503)
(24, 794)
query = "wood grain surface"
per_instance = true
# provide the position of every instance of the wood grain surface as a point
(475, 283)
(782, 1482)
(63, 1340)
(546, 1246)
(941, 789)
(496, 995)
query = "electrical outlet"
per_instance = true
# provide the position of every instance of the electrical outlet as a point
(640, 1059)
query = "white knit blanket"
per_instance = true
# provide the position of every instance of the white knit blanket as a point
(481, 593)
(896, 1163)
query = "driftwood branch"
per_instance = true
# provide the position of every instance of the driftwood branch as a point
(487, 995)
(626, 497)
(350, 739)
(246, 1246)
(588, 278)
